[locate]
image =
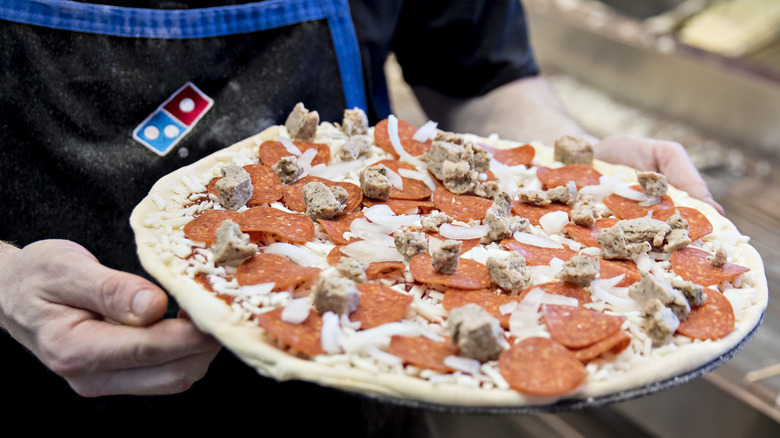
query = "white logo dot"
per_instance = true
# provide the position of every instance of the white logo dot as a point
(171, 131)
(187, 105)
(151, 132)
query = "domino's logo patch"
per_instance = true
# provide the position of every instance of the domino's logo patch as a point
(172, 120)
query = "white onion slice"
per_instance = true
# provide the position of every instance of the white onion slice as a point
(478, 254)
(368, 251)
(382, 214)
(592, 251)
(336, 172)
(376, 212)
(644, 262)
(602, 189)
(366, 230)
(411, 174)
(395, 139)
(395, 179)
(426, 132)
(526, 314)
(305, 159)
(297, 254)
(553, 222)
(296, 311)
(463, 233)
(369, 337)
(257, 289)
(606, 290)
(535, 240)
(289, 145)
(508, 308)
(559, 300)
(627, 192)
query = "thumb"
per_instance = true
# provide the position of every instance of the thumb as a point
(82, 282)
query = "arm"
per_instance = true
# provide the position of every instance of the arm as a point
(98, 328)
(524, 110)
(528, 109)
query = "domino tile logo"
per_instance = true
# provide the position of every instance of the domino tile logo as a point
(172, 120)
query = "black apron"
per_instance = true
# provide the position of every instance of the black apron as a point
(81, 79)
(77, 81)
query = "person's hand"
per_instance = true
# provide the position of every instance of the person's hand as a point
(666, 157)
(98, 328)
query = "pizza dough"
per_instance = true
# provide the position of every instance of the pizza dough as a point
(181, 266)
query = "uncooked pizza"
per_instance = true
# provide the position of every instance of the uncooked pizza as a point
(445, 268)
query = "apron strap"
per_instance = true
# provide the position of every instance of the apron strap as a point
(203, 23)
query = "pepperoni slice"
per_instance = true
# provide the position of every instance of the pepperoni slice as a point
(379, 270)
(461, 207)
(534, 213)
(712, 320)
(204, 227)
(562, 288)
(304, 337)
(698, 224)
(577, 327)
(692, 265)
(272, 268)
(625, 208)
(589, 236)
(334, 256)
(614, 343)
(271, 151)
(335, 228)
(412, 188)
(541, 366)
(520, 155)
(423, 352)
(403, 206)
(297, 228)
(613, 268)
(379, 305)
(293, 194)
(469, 275)
(406, 133)
(535, 255)
(582, 175)
(485, 298)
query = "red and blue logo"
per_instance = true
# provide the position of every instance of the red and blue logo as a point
(172, 120)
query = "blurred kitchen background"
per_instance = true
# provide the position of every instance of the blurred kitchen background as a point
(703, 73)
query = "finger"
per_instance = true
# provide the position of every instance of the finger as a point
(79, 280)
(92, 346)
(169, 378)
(675, 163)
(627, 150)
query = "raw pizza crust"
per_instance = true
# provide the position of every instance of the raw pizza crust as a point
(246, 340)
